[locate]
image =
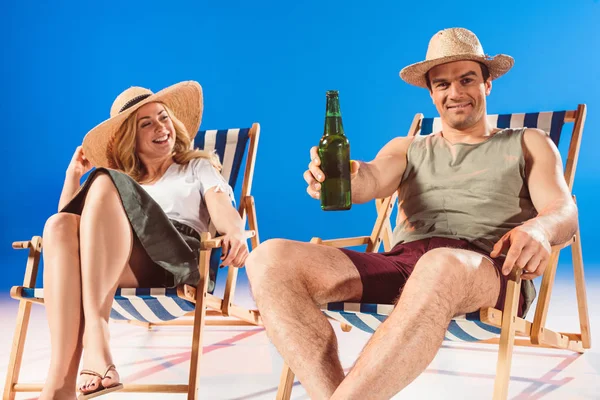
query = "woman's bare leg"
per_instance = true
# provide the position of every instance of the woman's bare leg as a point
(64, 312)
(97, 251)
(106, 245)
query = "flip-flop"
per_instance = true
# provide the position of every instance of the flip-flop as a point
(101, 390)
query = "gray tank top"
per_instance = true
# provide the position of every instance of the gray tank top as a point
(475, 192)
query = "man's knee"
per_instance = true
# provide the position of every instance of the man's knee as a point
(444, 272)
(443, 263)
(268, 256)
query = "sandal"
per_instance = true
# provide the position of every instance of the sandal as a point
(101, 390)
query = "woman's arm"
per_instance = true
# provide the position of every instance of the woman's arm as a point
(228, 222)
(78, 167)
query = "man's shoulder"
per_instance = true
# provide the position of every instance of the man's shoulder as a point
(537, 142)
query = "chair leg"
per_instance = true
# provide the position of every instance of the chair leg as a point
(507, 336)
(584, 318)
(16, 353)
(286, 382)
(199, 322)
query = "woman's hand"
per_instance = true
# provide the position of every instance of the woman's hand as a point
(79, 165)
(235, 249)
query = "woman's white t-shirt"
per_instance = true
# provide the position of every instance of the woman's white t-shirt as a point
(180, 192)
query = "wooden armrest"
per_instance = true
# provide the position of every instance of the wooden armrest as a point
(216, 242)
(344, 242)
(559, 247)
(21, 245)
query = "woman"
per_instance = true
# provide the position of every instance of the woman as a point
(135, 222)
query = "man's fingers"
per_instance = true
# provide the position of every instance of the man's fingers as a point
(311, 181)
(315, 194)
(525, 259)
(354, 167)
(500, 246)
(316, 172)
(533, 266)
(314, 156)
(512, 256)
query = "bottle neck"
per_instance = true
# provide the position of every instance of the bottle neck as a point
(333, 117)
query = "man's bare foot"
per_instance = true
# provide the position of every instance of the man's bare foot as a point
(97, 358)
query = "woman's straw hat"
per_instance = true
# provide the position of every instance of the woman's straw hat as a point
(184, 99)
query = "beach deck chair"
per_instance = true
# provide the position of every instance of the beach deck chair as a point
(149, 307)
(488, 325)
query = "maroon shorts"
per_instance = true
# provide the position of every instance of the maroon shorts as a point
(384, 275)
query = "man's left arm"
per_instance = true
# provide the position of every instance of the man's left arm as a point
(529, 244)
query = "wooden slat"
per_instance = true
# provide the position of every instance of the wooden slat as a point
(507, 335)
(254, 135)
(188, 293)
(156, 388)
(23, 314)
(286, 383)
(574, 345)
(541, 310)
(244, 314)
(247, 209)
(575, 144)
(252, 221)
(383, 214)
(127, 387)
(493, 317)
(193, 388)
(346, 242)
(582, 306)
(570, 116)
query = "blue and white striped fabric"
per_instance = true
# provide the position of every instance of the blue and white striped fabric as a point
(230, 145)
(368, 317)
(149, 305)
(550, 122)
(145, 305)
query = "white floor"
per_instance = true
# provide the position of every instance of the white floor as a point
(240, 363)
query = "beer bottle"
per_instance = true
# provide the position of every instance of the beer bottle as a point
(334, 152)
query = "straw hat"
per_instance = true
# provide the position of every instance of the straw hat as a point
(184, 99)
(454, 44)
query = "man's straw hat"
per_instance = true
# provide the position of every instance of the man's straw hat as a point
(454, 44)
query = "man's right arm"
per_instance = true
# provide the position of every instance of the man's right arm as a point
(376, 179)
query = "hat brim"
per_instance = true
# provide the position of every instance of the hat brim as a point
(184, 99)
(415, 74)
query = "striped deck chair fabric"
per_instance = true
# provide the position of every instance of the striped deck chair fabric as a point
(163, 304)
(464, 328)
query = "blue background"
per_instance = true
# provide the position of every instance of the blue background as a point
(63, 63)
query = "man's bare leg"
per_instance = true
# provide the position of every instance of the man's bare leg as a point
(288, 280)
(445, 282)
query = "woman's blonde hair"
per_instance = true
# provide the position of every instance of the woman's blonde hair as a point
(122, 154)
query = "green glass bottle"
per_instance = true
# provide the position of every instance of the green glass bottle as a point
(334, 152)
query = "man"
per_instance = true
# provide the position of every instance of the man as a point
(475, 201)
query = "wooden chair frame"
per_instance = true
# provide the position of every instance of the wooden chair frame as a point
(216, 306)
(530, 333)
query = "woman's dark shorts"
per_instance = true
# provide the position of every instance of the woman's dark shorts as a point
(173, 246)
